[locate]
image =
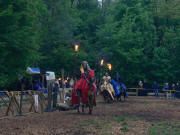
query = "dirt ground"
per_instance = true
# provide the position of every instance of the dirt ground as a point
(136, 116)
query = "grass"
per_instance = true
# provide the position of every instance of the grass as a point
(106, 134)
(123, 120)
(165, 128)
(96, 124)
(133, 119)
(125, 128)
(83, 124)
(119, 119)
(93, 123)
(102, 125)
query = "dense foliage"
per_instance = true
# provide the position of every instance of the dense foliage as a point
(141, 38)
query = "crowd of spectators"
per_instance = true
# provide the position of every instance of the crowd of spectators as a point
(169, 90)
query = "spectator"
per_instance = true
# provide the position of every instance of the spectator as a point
(55, 92)
(38, 85)
(173, 92)
(68, 82)
(166, 88)
(71, 83)
(155, 88)
(177, 88)
(140, 92)
(145, 86)
(140, 84)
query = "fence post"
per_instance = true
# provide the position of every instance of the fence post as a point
(21, 99)
(49, 96)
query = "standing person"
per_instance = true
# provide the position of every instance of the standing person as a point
(155, 88)
(68, 82)
(140, 92)
(166, 87)
(55, 94)
(140, 84)
(177, 88)
(50, 77)
(50, 89)
(38, 85)
(173, 92)
(145, 86)
(71, 83)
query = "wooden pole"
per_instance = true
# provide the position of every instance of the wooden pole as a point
(21, 99)
(62, 73)
(136, 92)
(75, 65)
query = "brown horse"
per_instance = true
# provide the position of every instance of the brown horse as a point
(91, 100)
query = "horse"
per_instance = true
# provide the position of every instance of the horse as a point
(91, 100)
(107, 92)
(120, 90)
(107, 97)
(122, 94)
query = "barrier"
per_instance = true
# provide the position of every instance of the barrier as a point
(137, 90)
(9, 101)
(170, 91)
(4, 99)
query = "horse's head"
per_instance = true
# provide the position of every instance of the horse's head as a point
(92, 80)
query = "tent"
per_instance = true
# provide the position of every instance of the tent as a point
(31, 70)
(49, 75)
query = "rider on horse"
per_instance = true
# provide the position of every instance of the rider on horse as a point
(122, 85)
(108, 86)
(85, 86)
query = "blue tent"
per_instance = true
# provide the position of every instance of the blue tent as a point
(31, 70)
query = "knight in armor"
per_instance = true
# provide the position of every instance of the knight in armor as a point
(85, 86)
(121, 84)
(108, 86)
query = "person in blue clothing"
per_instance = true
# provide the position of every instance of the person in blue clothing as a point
(155, 88)
(166, 87)
(173, 92)
(38, 85)
(118, 78)
(145, 86)
(122, 85)
(177, 88)
(116, 87)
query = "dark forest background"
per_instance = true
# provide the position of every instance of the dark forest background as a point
(141, 38)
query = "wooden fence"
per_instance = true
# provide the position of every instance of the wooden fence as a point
(10, 101)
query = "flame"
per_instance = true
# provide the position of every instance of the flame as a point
(76, 48)
(109, 66)
(102, 62)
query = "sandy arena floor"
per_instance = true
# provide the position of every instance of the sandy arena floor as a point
(136, 116)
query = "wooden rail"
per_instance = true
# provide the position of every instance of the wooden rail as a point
(9, 99)
(170, 91)
(137, 89)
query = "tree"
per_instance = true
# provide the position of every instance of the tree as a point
(19, 37)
